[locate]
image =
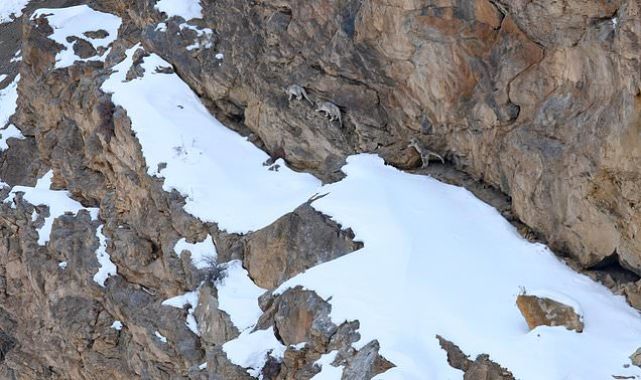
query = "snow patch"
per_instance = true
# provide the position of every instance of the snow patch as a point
(238, 295)
(58, 201)
(11, 132)
(73, 23)
(328, 371)
(16, 57)
(160, 337)
(107, 267)
(203, 254)
(62, 265)
(174, 128)
(117, 325)
(251, 350)
(189, 299)
(187, 9)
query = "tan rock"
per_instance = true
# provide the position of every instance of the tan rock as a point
(295, 242)
(542, 311)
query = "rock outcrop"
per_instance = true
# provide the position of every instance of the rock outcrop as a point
(482, 368)
(544, 311)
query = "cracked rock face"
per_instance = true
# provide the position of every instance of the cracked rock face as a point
(540, 101)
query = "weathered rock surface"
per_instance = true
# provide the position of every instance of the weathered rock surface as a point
(300, 316)
(295, 242)
(482, 368)
(543, 311)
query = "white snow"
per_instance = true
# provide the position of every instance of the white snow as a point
(173, 127)
(160, 337)
(10, 9)
(251, 349)
(11, 132)
(188, 299)
(3, 77)
(76, 22)
(16, 57)
(238, 296)
(437, 260)
(203, 254)
(202, 366)
(62, 265)
(187, 9)
(298, 346)
(220, 56)
(59, 203)
(8, 99)
(117, 325)
(107, 267)
(328, 371)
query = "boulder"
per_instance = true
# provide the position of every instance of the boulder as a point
(543, 311)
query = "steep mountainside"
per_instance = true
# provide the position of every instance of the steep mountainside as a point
(224, 189)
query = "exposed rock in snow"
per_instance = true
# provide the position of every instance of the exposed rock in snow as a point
(85, 34)
(479, 369)
(190, 301)
(203, 254)
(544, 311)
(57, 201)
(251, 350)
(11, 132)
(294, 243)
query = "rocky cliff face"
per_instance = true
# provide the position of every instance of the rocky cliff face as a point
(539, 101)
